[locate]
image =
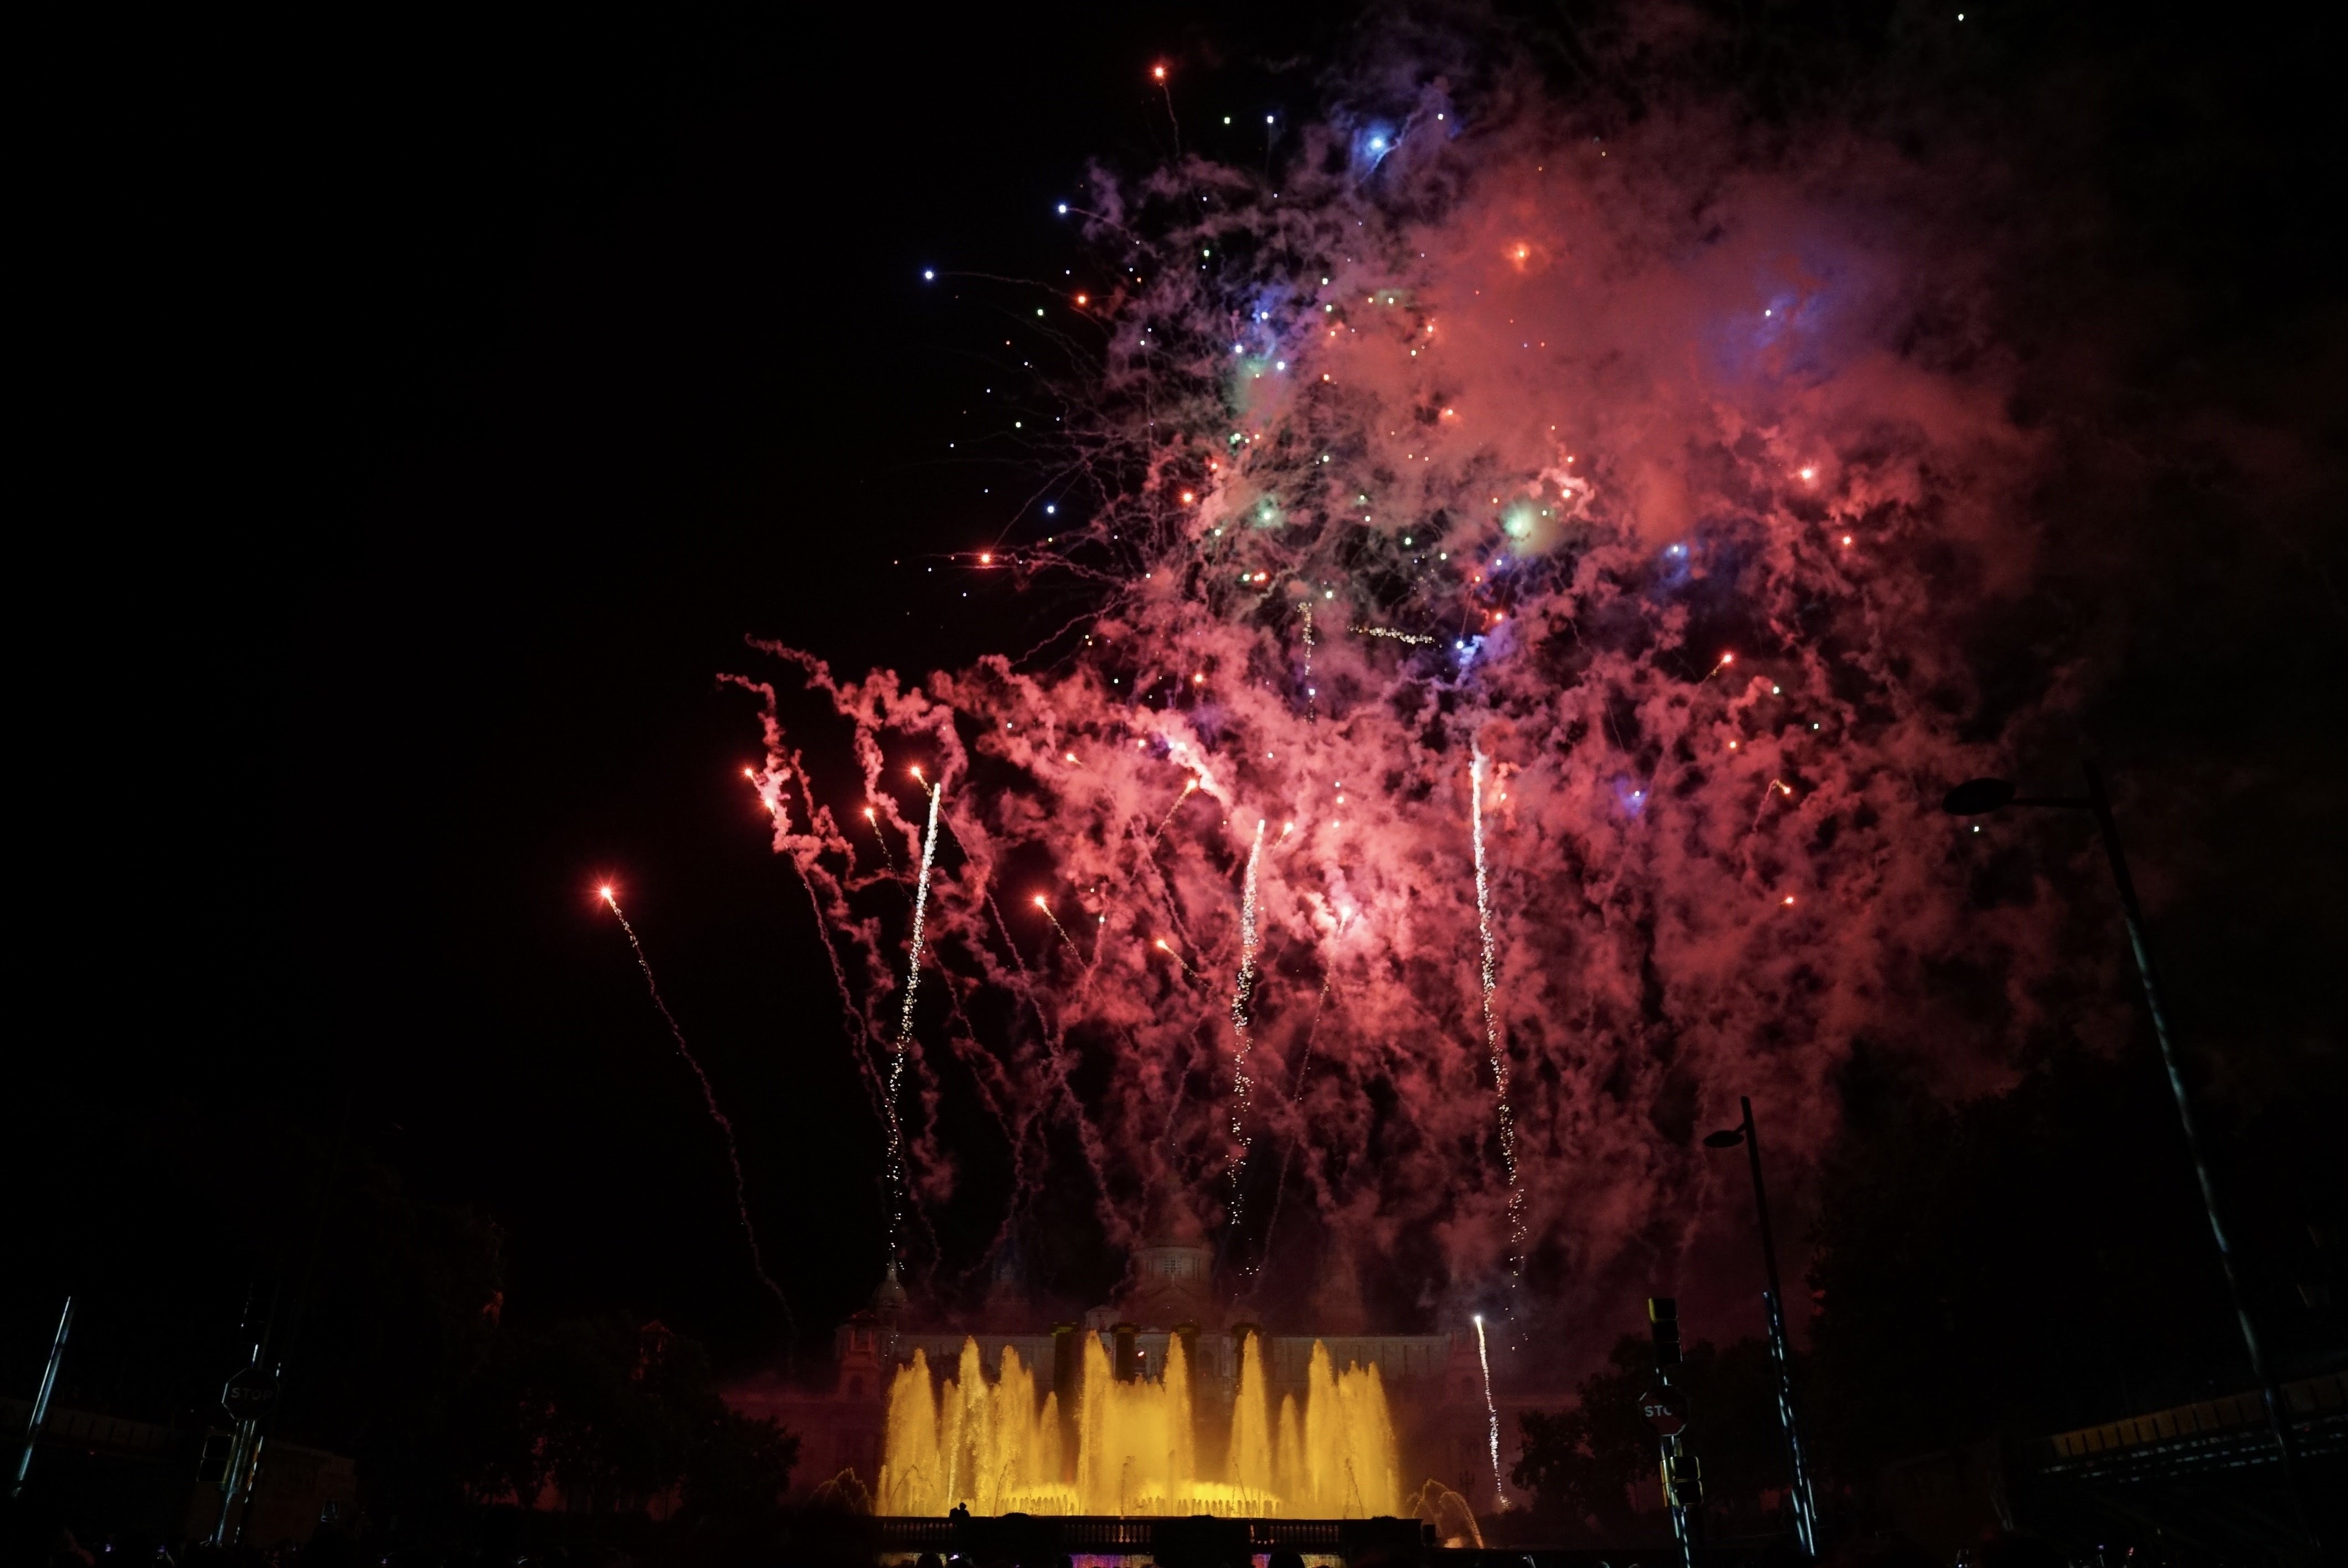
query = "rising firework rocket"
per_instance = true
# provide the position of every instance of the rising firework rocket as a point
(1492, 1046)
(896, 1164)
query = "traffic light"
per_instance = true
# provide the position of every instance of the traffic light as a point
(1682, 1479)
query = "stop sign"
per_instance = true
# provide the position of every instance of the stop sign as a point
(1665, 1411)
(249, 1394)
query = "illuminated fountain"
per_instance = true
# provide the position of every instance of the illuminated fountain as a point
(994, 1446)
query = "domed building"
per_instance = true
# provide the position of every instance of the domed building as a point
(1173, 1274)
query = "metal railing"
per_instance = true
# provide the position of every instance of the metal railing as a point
(2225, 1432)
(1023, 1533)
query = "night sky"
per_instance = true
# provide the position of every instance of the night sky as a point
(424, 417)
(441, 415)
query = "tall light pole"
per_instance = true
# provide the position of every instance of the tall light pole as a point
(1805, 1500)
(41, 1400)
(1978, 797)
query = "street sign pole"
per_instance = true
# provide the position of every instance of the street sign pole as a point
(1665, 1407)
(247, 1397)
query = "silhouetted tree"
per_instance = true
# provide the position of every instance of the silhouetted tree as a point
(615, 1415)
(740, 1466)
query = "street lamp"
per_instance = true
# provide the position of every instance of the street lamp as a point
(1978, 797)
(1805, 1503)
(41, 1400)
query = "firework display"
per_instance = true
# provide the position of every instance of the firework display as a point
(1522, 570)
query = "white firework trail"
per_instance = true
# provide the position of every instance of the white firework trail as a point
(1242, 993)
(1493, 1411)
(897, 1053)
(1492, 1046)
(1412, 638)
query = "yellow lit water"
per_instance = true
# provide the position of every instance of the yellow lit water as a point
(992, 1447)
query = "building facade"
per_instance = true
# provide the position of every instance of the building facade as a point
(1434, 1382)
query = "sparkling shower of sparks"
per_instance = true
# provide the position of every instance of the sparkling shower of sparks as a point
(1492, 1412)
(709, 1099)
(1243, 994)
(896, 1156)
(1492, 1046)
(1412, 638)
(1304, 608)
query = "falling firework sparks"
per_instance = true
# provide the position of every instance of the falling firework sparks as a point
(1190, 787)
(1296, 1099)
(903, 1044)
(1492, 1412)
(1492, 1046)
(1243, 994)
(872, 820)
(709, 1099)
(1412, 638)
(857, 1034)
(1044, 904)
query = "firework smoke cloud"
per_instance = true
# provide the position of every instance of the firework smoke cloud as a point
(1661, 465)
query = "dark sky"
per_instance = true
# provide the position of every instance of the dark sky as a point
(431, 412)
(419, 417)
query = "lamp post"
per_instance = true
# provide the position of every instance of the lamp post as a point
(1979, 797)
(1805, 1500)
(41, 1400)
